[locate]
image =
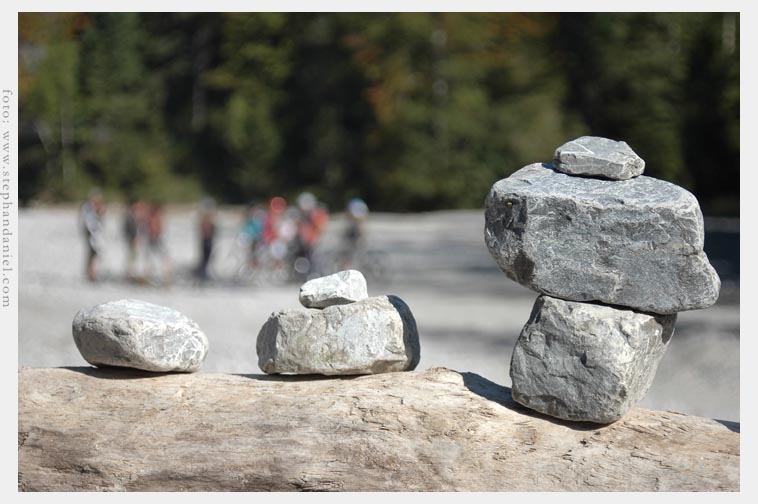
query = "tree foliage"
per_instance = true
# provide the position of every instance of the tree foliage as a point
(411, 111)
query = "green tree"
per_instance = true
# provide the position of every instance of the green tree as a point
(49, 97)
(123, 146)
(411, 111)
(711, 115)
(460, 100)
(255, 63)
(668, 84)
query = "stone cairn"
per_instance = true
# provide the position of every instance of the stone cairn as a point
(341, 331)
(614, 255)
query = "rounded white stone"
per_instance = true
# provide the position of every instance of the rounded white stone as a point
(141, 335)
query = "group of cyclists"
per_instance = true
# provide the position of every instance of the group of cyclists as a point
(280, 241)
(275, 241)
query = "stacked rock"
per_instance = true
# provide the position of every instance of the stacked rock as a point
(615, 255)
(341, 331)
(140, 335)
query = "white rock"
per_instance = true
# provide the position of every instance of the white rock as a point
(598, 157)
(136, 334)
(340, 288)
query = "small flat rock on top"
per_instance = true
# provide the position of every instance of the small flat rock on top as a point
(340, 288)
(598, 157)
(140, 335)
(635, 243)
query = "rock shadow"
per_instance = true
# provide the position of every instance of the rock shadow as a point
(123, 373)
(296, 378)
(732, 426)
(410, 330)
(502, 396)
(119, 373)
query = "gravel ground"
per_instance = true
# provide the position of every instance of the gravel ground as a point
(468, 313)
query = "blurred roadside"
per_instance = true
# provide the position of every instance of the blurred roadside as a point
(468, 313)
(722, 246)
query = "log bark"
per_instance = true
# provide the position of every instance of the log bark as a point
(83, 429)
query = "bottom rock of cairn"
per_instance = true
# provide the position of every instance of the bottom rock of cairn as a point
(588, 362)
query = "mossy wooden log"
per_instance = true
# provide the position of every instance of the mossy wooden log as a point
(82, 429)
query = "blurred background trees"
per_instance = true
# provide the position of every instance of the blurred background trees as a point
(409, 111)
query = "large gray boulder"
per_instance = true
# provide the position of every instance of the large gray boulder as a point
(588, 362)
(342, 287)
(374, 335)
(635, 243)
(136, 334)
(598, 157)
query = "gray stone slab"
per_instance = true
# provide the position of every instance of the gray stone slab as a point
(374, 335)
(136, 334)
(588, 362)
(635, 243)
(339, 288)
(598, 157)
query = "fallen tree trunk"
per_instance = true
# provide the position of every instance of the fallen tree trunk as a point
(438, 430)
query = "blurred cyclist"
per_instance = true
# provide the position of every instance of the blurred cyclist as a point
(251, 235)
(134, 224)
(311, 220)
(278, 230)
(91, 222)
(356, 213)
(156, 249)
(207, 232)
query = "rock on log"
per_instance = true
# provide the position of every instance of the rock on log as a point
(85, 429)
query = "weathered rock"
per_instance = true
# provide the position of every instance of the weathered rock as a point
(635, 243)
(374, 335)
(598, 157)
(340, 288)
(589, 362)
(136, 334)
